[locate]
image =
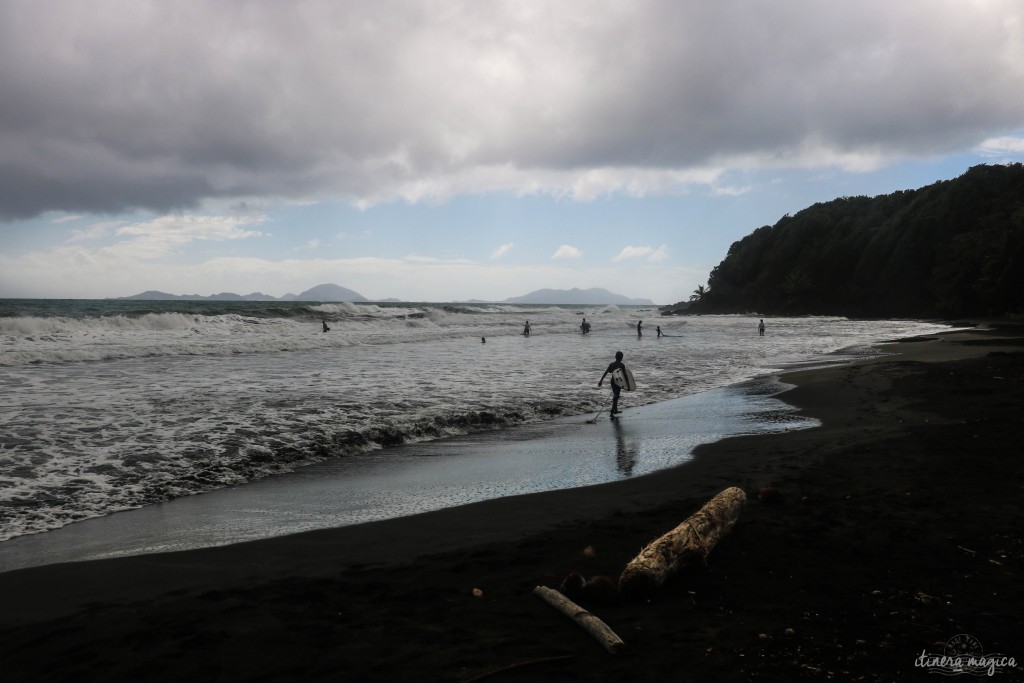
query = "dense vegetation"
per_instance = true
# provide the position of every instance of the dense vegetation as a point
(955, 248)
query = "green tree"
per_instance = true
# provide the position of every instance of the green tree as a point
(953, 248)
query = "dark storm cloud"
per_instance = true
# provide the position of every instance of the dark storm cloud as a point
(109, 106)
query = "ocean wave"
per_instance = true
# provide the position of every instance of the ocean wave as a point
(83, 439)
(66, 490)
(29, 326)
(32, 339)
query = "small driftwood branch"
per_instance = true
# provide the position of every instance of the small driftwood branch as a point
(587, 621)
(691, 540)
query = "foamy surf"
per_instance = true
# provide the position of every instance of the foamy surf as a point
(110, 412)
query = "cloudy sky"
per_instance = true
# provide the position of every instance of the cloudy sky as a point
(449, 150)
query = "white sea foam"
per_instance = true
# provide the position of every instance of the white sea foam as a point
(178, 402)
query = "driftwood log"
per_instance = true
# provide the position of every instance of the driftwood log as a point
(587, 621)
(691, 540)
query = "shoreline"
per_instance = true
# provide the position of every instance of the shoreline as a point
(161, 527)
(411, 479)
(857, 569)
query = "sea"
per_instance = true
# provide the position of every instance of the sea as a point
(111, 405)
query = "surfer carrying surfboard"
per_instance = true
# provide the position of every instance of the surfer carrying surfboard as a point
(616, 388)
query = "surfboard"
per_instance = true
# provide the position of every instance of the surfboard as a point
(624, 378)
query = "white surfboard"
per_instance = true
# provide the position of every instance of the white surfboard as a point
(624, 378)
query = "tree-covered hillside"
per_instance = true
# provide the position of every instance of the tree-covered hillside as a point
(955, 248)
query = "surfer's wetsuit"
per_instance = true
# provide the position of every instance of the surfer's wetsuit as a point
(616, 389)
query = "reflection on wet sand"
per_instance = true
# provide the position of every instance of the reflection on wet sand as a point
(625, 450)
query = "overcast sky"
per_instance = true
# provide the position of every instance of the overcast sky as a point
(449, 150)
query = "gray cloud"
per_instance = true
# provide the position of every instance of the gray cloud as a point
(109, 106)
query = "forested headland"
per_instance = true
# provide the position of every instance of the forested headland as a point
(951, 249)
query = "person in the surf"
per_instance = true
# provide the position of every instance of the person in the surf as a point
(526, 329)
(640, 329)
(617, 364)
(585, 326)
(326, 329)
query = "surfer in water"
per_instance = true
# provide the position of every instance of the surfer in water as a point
(640, 329)
(617, 364)
(326, 329)
(526, 329)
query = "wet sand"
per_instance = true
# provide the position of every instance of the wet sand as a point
(891, 529)
(421, 477)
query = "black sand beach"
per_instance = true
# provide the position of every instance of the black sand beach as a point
(885, 533)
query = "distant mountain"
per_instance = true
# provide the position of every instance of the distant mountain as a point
(330, 292)
(577, 297)
(230, 296)
(153, 295)
(327, 292)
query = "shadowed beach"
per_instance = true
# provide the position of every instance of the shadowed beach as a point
(882, 534)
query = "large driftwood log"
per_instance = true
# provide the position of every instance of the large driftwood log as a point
(693, 539)
(587, 621)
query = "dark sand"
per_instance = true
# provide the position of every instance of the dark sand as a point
(900, 526)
